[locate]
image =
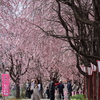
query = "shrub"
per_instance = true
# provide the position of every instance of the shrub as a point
(78, 97)
(22, 95)
(23, 91)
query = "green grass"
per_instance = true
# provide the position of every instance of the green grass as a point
(0, 95)
(78, 97)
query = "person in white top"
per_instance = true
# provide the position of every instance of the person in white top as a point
(75, 88)
(35, 95)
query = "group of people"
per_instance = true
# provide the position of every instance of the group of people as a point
(72, 88)
(59, 88)
(33, 89)
(55, 86)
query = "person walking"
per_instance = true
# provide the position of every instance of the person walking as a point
(52, 88)
(32, 86)
(69, 88)
(60, 90)
(35, 95)
(75, 88)
(28, 85)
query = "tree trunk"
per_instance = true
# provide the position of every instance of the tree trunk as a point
(94, 85)
(90, 90)
(17, 91)
(97, 85)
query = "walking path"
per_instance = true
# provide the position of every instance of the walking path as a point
(44, 99)
(30, 99)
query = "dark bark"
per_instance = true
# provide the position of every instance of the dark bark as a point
(90, 90)
(17, 91)
(94, 85)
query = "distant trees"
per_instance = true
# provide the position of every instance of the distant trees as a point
(16, 65)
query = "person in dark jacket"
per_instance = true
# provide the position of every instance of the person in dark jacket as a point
(69, 88)
(28, 86)
(60, 90)
(47, 92)
(52, 89)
